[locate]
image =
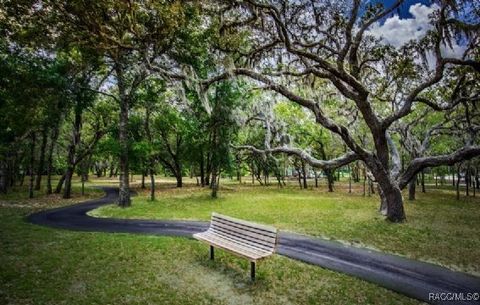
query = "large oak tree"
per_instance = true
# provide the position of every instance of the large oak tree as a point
(290, 44)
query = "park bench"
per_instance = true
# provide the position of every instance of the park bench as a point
(244, 238)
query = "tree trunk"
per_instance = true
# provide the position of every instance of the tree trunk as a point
(391, 196)
(124, 190)
(383, 202)
(83, 184)
(86, 168)
(59, 187)
(22, 178)
(316, 179)
(388, 190)
(3, 176)
(473, 181)
(41, 160)
(202, 169)
(180, 180)
(467, 180)
(369, 187)
(152, 184)
(143, 180)
(253, 173)
(208, 169)
(412, 185)
(67, 191)
(330, 179)
(239, 169)
(453, 175)
(112, 168)
(458, 182)
(364, 186)
(178, 173)
(71, 162)
(299, 178)
(32, 165)
(12, 172)
(304, 174)
(477, 179)
(53, 141)
(423, 181)
(394, 200)
(349, 179)
(214, 184)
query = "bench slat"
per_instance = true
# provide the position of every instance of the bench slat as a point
(216, 220)
(266, 241)
(236, 248)
(239, 240)
(242, 240)
(234, 244)
(265, 228)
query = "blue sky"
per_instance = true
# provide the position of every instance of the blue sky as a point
(410, 21)
(403, 11)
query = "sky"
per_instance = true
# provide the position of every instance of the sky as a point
(411, 21)
(403, 10)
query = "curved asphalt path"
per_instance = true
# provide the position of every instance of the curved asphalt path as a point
(409, 277)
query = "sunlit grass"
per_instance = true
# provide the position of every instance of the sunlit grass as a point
(51, 266)
(18, 196)
(439, 228)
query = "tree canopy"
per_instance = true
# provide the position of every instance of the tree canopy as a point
(213, 89)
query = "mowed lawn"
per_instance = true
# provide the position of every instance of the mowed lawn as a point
(40, 265)
(438, 229)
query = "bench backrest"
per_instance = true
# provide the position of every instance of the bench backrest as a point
(249, 233)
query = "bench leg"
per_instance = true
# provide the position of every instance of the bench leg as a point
(252, 271)
(212, 253)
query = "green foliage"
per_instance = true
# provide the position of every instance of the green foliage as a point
(32, 89)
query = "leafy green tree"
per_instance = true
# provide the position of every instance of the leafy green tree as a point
(132, 37)
(31, 89)
(377, 84)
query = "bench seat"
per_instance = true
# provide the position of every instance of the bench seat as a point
(233, 246)
(247, 239)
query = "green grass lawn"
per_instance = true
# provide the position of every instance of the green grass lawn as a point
(41, 265)
(439, 228)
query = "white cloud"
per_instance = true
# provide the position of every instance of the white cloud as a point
(397, 32)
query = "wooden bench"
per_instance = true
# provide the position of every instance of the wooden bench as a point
(244, 238)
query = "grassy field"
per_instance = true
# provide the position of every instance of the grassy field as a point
(41, 265)
(439, 228)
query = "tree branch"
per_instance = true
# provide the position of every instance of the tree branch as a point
(323, 164)
(464, 153)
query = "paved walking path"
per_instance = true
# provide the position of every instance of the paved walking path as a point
(409, 277)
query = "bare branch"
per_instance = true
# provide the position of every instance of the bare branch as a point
(464, 62)
(323, 164)
(103, 93)
(464, 153)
